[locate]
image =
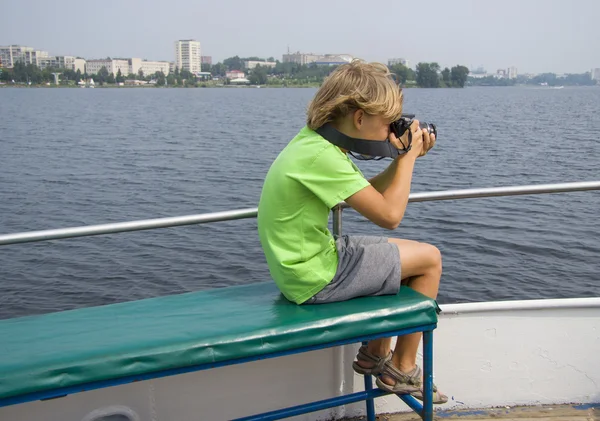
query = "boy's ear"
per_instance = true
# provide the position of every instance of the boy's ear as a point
(357, 119)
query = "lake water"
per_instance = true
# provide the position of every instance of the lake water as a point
(72, 157)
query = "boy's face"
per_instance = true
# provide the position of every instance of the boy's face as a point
(371, 127)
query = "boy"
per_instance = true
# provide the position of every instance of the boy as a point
(310, 176)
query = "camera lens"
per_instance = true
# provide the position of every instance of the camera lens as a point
(430, 127)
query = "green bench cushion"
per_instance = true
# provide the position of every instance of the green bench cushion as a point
(70, 348)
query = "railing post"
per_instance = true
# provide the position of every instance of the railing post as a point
(427, 376)
(337, 231)
(337, 220)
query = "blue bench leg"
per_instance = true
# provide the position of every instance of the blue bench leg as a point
(370, 402)
(428, 376)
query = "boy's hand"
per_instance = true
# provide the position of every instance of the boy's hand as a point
(428, 142)
(418, 147)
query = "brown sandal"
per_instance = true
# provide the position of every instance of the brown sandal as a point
(408, 383)
(365, 355)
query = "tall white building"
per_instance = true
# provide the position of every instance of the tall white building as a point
(512, 72)
(11, 54)
(187, 55)
(596, 73)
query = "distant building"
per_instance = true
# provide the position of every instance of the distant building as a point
(148, 67)
(11, 54)
(113, 66)
(478, 73)
(127, 66)
(512, 72)
(300, 58)
(402, 61)
(79, 64)
(596, 73)
(59, 62)
(240, 81)
(235, 74)
(318, 59)
(251, 64)
(206, 60)
(187, 55)
(333, 59)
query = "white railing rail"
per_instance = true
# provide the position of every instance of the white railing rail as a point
(146, 224)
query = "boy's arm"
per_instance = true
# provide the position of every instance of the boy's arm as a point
(386, 207)
(382, 180)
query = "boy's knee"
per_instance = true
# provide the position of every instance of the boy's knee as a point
(434, 256)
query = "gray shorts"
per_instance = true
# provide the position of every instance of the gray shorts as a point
(367, 266)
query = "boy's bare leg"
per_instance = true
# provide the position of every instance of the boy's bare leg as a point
(421, 270)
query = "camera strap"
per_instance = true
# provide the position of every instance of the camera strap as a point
(368, 149)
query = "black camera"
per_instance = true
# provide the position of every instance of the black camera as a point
(372, 149)
(400, 126)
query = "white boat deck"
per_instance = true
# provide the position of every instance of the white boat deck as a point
(529, 413)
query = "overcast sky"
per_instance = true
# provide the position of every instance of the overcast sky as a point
(533, 35)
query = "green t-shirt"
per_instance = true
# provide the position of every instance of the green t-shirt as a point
(307, 179)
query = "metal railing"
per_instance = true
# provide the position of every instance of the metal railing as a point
(146, 224)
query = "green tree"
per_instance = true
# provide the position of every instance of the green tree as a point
(233, 63)
(401, 72)
(111, 78)
(446, 76)
(67, 75)
(102, 75)
(5, 75)
(218, 69)
(120, 78)
(140, 75)
(459, 75)
(160, 78)
(171, 80)
(186, 74)
(427, 75)
(258, 75)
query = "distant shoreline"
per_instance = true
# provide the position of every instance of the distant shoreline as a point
(21, 86)
(157, 87)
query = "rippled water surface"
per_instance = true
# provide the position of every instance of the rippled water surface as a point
(72, 157)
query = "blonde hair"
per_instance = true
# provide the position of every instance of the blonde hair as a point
(353, 86)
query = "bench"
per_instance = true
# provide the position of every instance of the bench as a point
(57, 354)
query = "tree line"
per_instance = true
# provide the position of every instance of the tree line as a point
(550, 79)
(426, 75)
(32, 74)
